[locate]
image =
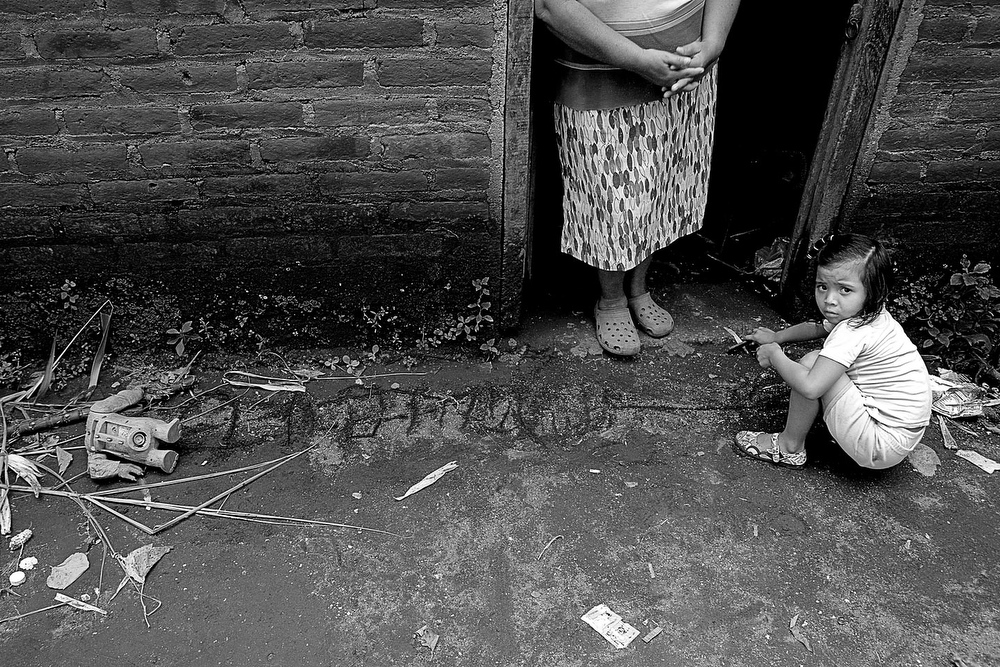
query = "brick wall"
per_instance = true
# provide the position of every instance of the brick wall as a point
(931, 175)
(344, 149)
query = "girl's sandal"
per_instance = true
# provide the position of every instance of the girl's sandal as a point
(746, 445)
(615, 331)
(650, 317)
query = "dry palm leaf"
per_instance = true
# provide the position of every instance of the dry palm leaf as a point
(4, 514)
(26, 470)
(46, 379)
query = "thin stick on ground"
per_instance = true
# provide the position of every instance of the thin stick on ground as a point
(130, 521)
(192, 398)
(32, 613)
(367, 377)
(104, 557)
(557, 537)
(48, 450)
(184, 480)
(213, 409)
(207, 503)
(218, 513)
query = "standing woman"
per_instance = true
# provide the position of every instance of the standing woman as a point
(634, 118)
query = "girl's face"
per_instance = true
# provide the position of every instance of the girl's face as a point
(840, 293)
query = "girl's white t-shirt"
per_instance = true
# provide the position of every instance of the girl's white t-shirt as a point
(885, 365)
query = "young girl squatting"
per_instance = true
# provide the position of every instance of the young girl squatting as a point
(869, 378)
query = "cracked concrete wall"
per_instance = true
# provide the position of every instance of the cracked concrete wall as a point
(348, 145)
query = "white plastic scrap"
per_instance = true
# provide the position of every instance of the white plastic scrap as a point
(429, 479)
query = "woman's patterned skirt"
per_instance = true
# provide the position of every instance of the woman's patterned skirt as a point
(635, 179)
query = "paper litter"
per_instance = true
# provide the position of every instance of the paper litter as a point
(977, 459)
(611, 626)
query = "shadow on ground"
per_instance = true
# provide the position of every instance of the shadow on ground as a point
(581, 480)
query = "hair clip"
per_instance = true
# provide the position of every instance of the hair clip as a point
(818, 246)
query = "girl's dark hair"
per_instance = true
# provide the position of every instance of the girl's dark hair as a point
(876, 268)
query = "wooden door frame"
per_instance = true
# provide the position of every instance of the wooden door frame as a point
(853, 123)
(517, 192)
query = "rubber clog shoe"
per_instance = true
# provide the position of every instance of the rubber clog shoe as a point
(616, 332)
(650, 317)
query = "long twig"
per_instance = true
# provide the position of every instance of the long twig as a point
(32, 613)
(366, 377)
(192, 398)
(557, 537)
(130, 521)
(4, 502)
(218, 513)
(207, 503)
(49, 450)
(184, 480)
(217, 407)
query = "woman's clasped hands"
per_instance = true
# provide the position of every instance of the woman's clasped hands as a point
(698, 58)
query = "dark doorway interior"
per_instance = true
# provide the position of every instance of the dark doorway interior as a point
(774, 81)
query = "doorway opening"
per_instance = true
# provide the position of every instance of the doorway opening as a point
(775, 79)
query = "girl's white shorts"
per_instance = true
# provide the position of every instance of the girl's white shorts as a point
(869, 442)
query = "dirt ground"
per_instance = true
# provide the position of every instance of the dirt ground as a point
(581, 480)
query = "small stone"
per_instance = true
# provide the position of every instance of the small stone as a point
(17, 578)
(28, 563)
(356, 495)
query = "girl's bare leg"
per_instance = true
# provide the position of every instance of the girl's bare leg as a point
(802, 413)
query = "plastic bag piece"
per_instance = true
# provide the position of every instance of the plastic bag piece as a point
(429, 479)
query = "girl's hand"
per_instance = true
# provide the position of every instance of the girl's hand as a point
(667, 69)
(765, 352)
(761, 335)
(703, 56)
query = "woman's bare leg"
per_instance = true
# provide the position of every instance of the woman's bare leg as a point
(637, 281)
(612, 289)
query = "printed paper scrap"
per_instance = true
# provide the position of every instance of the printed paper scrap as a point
(610, 625)
(977, 459)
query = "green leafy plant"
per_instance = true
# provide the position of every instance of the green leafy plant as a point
(464, 326)
(180, 337)
(11, 370)
(68, 296)
(347, 365)
(954, 316)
